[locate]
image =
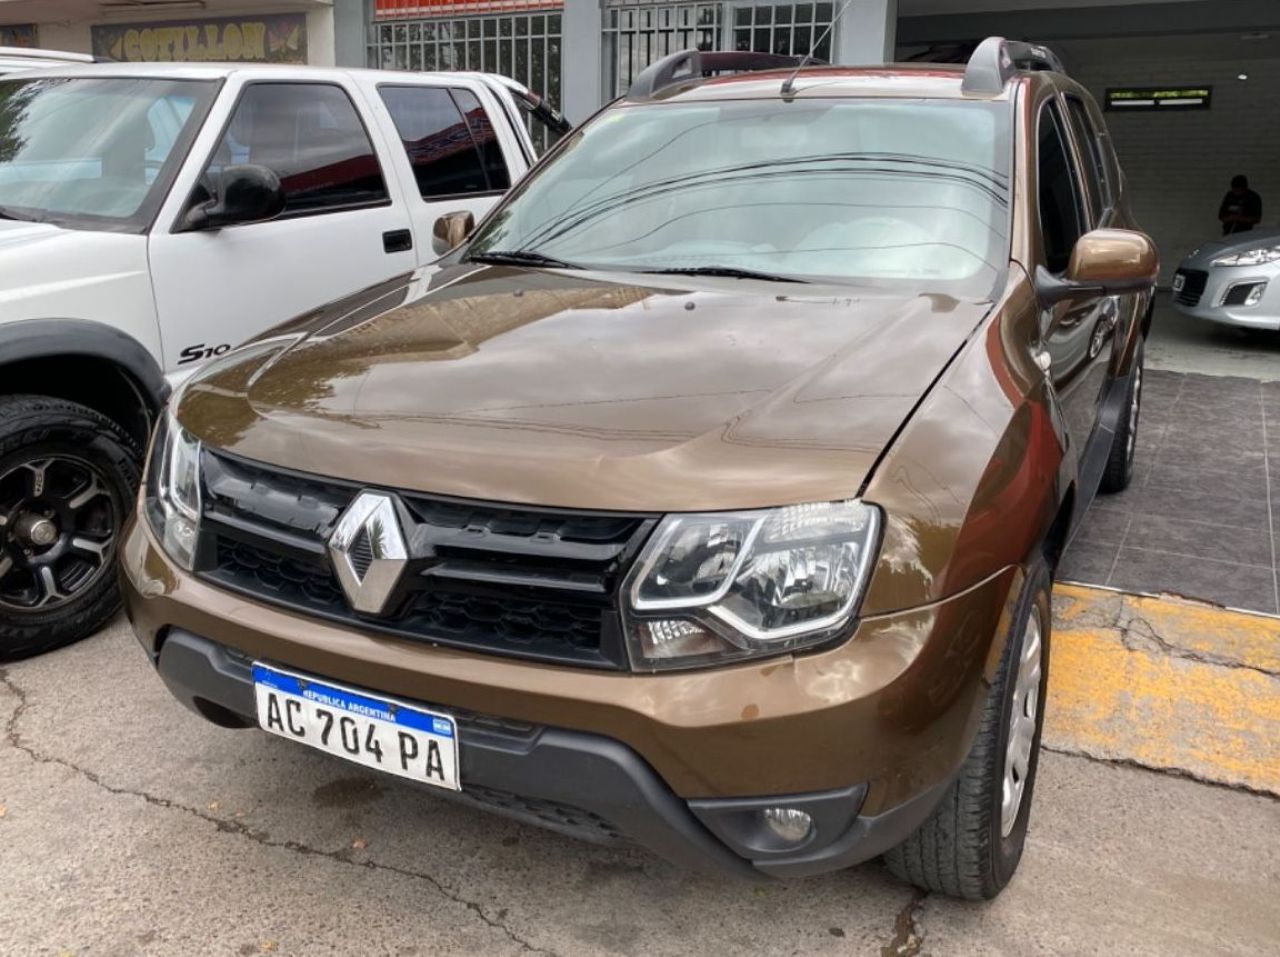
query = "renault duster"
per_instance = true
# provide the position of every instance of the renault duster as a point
(709, 496)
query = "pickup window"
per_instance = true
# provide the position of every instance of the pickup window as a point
(449, 139)
(310, 135)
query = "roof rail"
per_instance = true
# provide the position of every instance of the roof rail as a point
(997, 60)
(690, 65)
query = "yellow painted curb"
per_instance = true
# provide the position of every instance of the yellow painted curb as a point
(1166, 683)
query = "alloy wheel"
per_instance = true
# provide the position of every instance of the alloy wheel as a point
(58, 522)
(1135, 409)
(1022, 723)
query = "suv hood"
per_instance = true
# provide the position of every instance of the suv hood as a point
(1204, 254)
(561, 390)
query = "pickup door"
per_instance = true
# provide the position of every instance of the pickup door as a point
(367, 166)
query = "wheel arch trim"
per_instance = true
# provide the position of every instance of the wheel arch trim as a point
(29, 339)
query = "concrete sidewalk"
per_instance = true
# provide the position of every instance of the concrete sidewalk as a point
(131, 827)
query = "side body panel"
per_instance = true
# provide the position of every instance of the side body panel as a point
(423, 213)
(215, 289)
(51, 273)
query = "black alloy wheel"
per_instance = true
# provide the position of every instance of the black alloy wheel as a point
(67, 479)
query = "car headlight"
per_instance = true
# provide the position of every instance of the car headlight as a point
(1252, 257)
(731, 585)
(173, 491)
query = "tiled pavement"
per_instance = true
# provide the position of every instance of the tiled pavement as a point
(1202, 518)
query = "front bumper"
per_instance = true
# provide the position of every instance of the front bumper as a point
(865, 737)
(1210, 306)
(587, 786)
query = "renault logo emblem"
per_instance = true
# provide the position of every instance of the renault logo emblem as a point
(368, 551)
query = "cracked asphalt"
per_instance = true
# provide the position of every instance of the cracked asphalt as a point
(130, 827)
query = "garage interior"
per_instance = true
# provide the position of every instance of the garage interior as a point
(1179, 162)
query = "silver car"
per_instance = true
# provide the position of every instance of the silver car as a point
(1234, 280)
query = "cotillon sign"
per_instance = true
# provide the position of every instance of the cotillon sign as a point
(281, 38)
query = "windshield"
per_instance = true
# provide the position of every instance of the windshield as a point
(872, 192)
(94, 152)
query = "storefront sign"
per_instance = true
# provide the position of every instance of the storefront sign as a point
(459, 8)
(281, 38)
(1160, 98)
(21, 35)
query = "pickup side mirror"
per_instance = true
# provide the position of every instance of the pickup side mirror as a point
(1105, 262)
(451, 231)
(247, 194)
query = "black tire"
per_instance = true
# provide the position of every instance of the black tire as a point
(1119, 472)
(962, 850)
(47, 443)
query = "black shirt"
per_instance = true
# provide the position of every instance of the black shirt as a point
(1247, 203)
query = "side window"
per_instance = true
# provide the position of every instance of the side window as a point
(1091, 145)
(437, 139)
(310, 135)
(486, 137)
(1060, 209)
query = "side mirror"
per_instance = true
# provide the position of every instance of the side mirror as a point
(247, 194)
(451, 231)
(1105, 262)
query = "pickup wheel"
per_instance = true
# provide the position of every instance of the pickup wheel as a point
(971, 845)
(68, 476)
(1119, 471)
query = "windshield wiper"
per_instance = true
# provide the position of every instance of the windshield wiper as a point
(728, 272)
(10, 214)
(520, 257)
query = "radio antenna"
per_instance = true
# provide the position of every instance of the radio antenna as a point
(788, 85)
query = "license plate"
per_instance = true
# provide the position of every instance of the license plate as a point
(1179, 283)
(377, 732)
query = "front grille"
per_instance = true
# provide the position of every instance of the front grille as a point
(1194, 282)
(532, 583)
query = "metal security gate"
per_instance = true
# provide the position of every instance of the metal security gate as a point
(638, 32)
(524, 46)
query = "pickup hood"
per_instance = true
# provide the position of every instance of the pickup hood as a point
(562, 390)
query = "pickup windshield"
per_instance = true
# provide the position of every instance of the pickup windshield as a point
(907, 195)
(94, 152)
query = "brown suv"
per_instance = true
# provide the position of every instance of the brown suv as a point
(709, 497)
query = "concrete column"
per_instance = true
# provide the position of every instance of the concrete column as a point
(581, 65)
(350, 32)
(866, 33)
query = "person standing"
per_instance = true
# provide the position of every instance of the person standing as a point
(1241, 208)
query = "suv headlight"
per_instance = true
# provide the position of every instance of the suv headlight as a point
(1253, 257)
(732, 585)
(173, 491)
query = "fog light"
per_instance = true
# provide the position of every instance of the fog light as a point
(788, 824)
(1256, 294)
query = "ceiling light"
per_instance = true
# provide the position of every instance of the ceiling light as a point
(1242, 76)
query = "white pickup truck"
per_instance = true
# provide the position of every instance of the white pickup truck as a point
(154, 216)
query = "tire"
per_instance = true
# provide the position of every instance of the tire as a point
(68, 477)
(1119, 472)
(967, 848)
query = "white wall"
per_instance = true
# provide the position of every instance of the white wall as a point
(1180, 163)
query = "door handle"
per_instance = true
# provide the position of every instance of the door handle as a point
(397, 241)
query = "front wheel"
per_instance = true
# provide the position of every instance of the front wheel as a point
(971, 845)
(67, 479)
(1119, 471)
